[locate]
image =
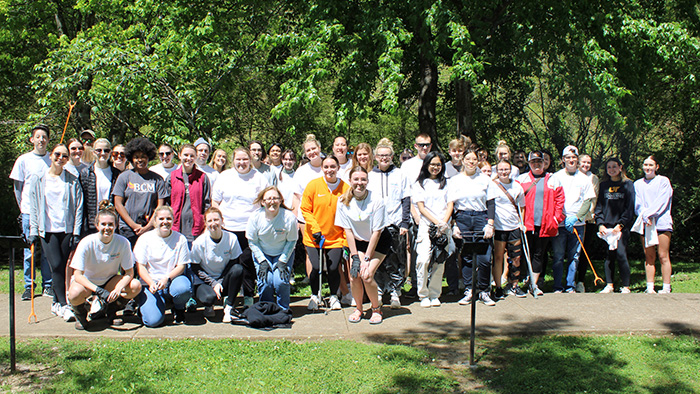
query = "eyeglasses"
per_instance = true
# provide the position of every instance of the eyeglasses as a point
(424, 145)
(383, 156)
(60, 155)
(165, 153)
(120, 155)
(100, 150)
(434, 165)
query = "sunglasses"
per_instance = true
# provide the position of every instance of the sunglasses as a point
(424, 145)
(60, 155)
(100, 150)
(77, 148)
(120, 155)
(165, 153)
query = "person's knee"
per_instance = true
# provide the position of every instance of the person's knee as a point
(152, 319)
(77, 294)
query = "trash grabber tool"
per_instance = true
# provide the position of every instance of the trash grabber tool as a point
(526, 252)
(321, 267)
(597, 278)
(31, 297)
(70, 110)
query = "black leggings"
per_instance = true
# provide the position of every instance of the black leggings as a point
(232, 281)
(538, 248)
(57, 250)
(246, 259)
(619, 254)
(333, 258)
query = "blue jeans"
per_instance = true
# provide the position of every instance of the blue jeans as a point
(274, 283)
(45, 268)
(475, 221)
(566, 245)
(152, 306)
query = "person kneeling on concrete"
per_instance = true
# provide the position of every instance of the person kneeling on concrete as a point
(161, 255)
(97, 261)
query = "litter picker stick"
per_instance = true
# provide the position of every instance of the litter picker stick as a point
(526, 252)
(597, 278)
(70, 110)
(31, 288)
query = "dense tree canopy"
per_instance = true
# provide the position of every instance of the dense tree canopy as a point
(615, 77)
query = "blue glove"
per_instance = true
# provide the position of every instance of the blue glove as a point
(570, 222)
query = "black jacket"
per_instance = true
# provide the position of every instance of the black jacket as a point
(615, 204)
(88, 181)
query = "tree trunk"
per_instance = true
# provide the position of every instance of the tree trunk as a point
(465, 120)
(428, 99)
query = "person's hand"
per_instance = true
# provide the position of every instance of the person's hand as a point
(442, 226)
(139, 229)
(602, 230)
(456, 233)
(488, 231)
(263, 270)
(522, 227)
(31, 239)
(281, 266)
(570, 222)
(114, 294)
(355, 266)
(102, 294)
(617, 229)
(403, 231)
(217, 290)
(364, 268)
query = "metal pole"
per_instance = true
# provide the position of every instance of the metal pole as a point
(472, 335)
(13, 358)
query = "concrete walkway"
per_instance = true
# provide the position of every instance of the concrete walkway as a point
(550, 314)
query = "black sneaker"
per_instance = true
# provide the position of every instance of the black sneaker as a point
(27, 295)
(498, 294)
(179, 316)
(130, 308)
(48, 292)
(413, 293)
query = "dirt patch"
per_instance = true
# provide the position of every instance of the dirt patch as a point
(28, 378)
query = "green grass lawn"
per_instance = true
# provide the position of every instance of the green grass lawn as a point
(548, 364)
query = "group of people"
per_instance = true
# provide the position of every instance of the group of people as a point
(118, 234)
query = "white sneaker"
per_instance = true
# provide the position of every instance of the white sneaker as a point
(435, 302)
(625, 290)
(467, 299)
(486, 299)
(334, 303)
(395, 301)
(662, 291)
(347, 299)
(313, 303)
(227, 314)
(68, 313)
(56, 309)
(580, 288)
(209, 312)
(425, 302)
(607, 289)
(650, 291)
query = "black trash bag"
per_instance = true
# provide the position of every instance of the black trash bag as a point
(438, 246)
(266, 314)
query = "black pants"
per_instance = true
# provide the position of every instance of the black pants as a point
(232, 281)
(452, 267)
(469, 221)
(619, 255)
(246, 259)
(538, 249)
(589, 235)
(57, 250)
(332, 258)
(391, 272)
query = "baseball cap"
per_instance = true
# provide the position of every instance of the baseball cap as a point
(535, 155)
(201, 141)
(88, 132)
(570, 150)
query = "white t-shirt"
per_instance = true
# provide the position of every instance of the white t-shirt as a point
(162, 171)
(56, 201)
(469, 192)
(361, 217)
(302, 177)
(211, 173)
(391, 187)
(161, 255)
(411, 170)
(577, 189)
(100, 261)
(235, 194)
(344, 171)
(26, 165)
(271, 236)
(214, 256)
(507, 217)
(450, 170)
(286, 186)
(103, 181)
(433, 198)
(514, 172)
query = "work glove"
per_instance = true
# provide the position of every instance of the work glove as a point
(355, 266)
(102, 293)
(263, 270)
(318, 238)
(283, 271)
(569, 223)
(488, 231)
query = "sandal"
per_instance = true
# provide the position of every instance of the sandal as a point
(355, 317)
(376, 316)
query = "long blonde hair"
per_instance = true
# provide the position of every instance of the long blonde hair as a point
(368, 148)
(213, 165)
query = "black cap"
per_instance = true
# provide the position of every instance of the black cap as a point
(535, 155)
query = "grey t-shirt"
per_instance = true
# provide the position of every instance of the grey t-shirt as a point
(141, 194)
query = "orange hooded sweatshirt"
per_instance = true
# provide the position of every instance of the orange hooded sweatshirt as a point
(318, 207)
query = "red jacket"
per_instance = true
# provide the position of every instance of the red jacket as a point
(177, 193)
(552, 206)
